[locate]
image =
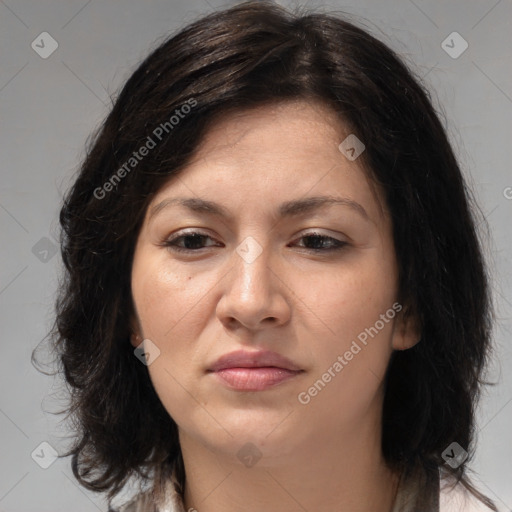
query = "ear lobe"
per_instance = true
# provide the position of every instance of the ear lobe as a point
(135, 337)
(406, 331)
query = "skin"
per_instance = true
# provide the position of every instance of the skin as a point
(308, 306)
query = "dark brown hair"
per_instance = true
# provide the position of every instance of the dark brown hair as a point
(251, 55)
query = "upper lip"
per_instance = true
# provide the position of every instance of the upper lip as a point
(259, 359)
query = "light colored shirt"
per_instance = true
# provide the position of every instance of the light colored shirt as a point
(449, 499)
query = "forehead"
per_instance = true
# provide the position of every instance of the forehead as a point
(274, 152)
(299, 125)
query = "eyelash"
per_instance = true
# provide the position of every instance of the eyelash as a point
(336, 244)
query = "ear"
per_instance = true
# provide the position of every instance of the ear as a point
(406, 330)
(135, 336)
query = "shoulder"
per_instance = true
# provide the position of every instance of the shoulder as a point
(145, 502)
(454, 497)
(140, 503)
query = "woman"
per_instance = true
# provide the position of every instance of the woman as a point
(275, 295)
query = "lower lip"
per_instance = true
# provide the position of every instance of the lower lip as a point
(255, 379)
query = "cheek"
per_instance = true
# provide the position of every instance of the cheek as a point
(344, 301)
(350, 303)
(165, 297)
(351, 360)
(168, 304)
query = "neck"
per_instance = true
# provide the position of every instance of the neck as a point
(345, 475)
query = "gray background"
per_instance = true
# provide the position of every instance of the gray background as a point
(50, 106)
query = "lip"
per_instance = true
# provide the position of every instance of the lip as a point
(255, 359)
(254, 371)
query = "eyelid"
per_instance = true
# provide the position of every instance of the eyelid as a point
(321, 232)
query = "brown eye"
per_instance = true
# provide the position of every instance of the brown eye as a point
(191, 242)
(322, 243)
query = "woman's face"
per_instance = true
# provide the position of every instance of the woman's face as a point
(300, 292)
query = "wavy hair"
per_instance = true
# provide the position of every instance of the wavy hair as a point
(249, 55)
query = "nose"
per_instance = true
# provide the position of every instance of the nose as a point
(255, 293)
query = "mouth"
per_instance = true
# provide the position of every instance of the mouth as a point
(255, 379)
(253, 371)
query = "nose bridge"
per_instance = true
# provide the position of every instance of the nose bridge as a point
(251, 270)
(252, 294)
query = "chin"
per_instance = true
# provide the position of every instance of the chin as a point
(274, 433)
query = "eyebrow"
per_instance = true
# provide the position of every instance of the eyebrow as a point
(286, 209)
